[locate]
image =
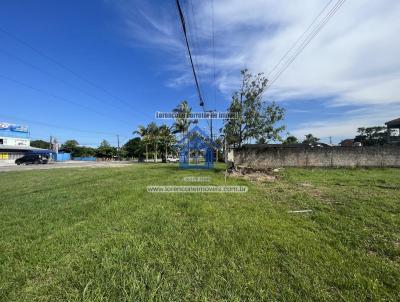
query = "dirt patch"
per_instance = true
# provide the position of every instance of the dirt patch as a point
(255, 175)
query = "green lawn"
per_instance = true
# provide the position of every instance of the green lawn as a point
(97, 235)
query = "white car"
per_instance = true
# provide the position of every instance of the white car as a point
(172, 159)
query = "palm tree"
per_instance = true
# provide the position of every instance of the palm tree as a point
(182, 122)
(311, 139)
(144, 134)
(153, 134)
(166, 137)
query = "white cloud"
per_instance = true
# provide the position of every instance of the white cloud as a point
(346, 125)
(354, 60)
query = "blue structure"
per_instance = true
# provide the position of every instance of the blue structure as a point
(87, 158)
(196, 141)
(61, 156)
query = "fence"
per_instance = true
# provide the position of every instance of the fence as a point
(61, 156)
(272, 156)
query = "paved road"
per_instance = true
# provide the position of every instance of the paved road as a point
(69, 164)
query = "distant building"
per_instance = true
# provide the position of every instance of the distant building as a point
(393, 127)
(15, 142)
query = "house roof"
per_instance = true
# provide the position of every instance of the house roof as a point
(395, 122)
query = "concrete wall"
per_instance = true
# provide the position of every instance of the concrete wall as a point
(262, 157)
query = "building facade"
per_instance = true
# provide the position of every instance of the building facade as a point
(14, 142)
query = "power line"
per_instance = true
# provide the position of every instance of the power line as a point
(51, 75)
(185, 32)
(182, 19)
(63, 66)
(299, 38)
(213, 52)
(66, 100)
(307, 41)
(55, 126)
(193, 36)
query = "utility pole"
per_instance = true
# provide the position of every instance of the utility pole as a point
(211, 130)
(330, 140)
(211, 124)
(118, 153)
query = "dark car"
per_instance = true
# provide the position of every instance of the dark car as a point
(32, 159)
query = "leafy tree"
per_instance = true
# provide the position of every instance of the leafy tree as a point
(105, 150)
(82, 151)
(311, 139)
(233, 125)
(40, 144)
(252, 118)
(69, 146)
(290, 140)
(370, 136)
(72, 146)
(182, 122)
(134, 148)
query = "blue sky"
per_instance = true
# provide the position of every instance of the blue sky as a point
(129, 61)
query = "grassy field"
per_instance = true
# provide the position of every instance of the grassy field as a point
(97, 235)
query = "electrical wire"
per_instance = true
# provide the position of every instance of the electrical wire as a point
(299, 39)
(307, 41)
(182, 19)
(63, 66)
(213, 53)
(55, 126)
(55, 96)
(56, 78)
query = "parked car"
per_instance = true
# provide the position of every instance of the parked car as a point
(35, 159)
(172, 159)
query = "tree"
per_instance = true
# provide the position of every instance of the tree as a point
(69, 146)
(82, 151)
(143, 133)
(370, 136)
(182, 121)
(40, 144)
(105, 150)
(233, 125)
(219, 149)
(311, 139)
(250, 117)
(290, 140)
(153, 136)
(167, 139)
(134, 148)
